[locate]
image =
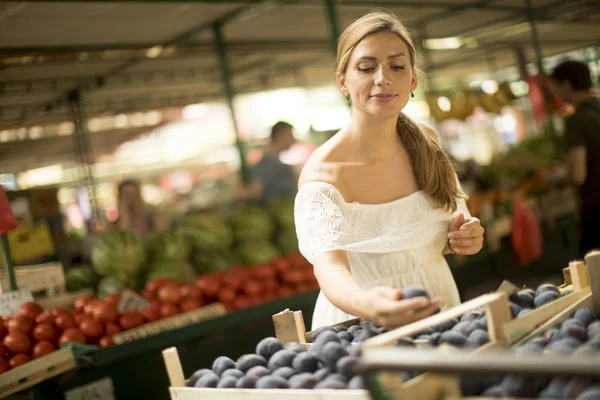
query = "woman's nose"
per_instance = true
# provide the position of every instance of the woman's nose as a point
(381, 76)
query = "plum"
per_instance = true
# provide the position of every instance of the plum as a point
(284, 372)
(453, 338)
(305, 380)
(344, 335)
(477, 338)
(268, 346)
(236, 373)
(555, 389)
(523, 312)
(295, 346)
(353, 350)
(496, 391)
(332, 352)
(446, 326)
(434, 338)
(317, 332)
(305, 362)
(272, 382)
(197, 375)
(405, 342)
(585, 315)
(221, 364)
(546, 287)
(363, 335)
(246, 382)
(573, 331)
(339, 328)
(352, 330)
(331, 383)
(228, 382)
(591, 393)
(283, 358)
(208, 381)
(356, 383)
(575, 387)
(462, 327)
(322, 373)
(515, 309)
(247, 361)
(523, 299)
(470, 316)
(545, 298)
(345, 366)
(257, 372)
(413, 291)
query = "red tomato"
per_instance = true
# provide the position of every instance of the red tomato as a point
(17, 343)
(154, 305)
(130, 320)
(81, 302)
(113, 299)
(190, 304)
(269, 285)
(71, 335)
(45, 318)
(3, 328)
(241, 303)
(264, 272)
(64, 321)
(79, 318)
(226, 294)
(233, 281)
(105, 341)
(285, 291)
(90, 307)
(148, 294)
(30, 310)
(281, 264)
(57, 310)
(105, 313)
(91, 329)
(20, 323)
(168, 310)
(4, 353)
(239, 271)
(169, 293)
(4, 366)
(153, 285)
(151, 315)
(45, 332)
(112, 329)
(293, 277)
(252, 287)
(190, 292)
(208, 285)
(42, 348)
(19, 359)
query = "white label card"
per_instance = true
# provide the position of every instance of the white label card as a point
(11, 301)
(131, 301)
(99, 390)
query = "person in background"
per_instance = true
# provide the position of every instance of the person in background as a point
(573, 83)
(271, 177)
(133, 216)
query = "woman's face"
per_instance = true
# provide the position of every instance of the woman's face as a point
(130, 196)
(379, 76)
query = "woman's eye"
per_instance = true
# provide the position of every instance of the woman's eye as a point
(398, 67)
(366, 69)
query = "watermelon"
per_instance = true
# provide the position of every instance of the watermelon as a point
(181, 271)
(119, 254)
(286, 241)
(206, 262)
(108, 285)
(207, 232)
(167, 246)
(251, 223)
(282, 211)
(80, 278)
(256, 252)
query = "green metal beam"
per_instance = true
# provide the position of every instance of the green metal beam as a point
(332, 19)
(457, 9)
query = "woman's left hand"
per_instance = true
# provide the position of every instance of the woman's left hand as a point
(465, 235)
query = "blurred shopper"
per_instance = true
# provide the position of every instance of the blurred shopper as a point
(573, 84)
(133, 216)
(271, 177)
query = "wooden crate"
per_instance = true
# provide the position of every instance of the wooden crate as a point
(177, 321)
(62, 300)
(179, 391)
(37, 278)
(584, 279)
(36, 371)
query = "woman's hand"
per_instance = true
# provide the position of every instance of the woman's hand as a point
(384, 306)
(465, 236)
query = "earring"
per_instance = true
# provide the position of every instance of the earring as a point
(412, 94)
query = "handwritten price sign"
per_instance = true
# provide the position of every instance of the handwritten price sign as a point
(99, 390)
(11, 301)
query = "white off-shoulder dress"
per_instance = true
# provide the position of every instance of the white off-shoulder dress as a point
(393, 244)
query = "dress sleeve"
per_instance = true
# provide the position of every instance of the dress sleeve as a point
(319, 219)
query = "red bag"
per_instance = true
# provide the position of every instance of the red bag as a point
(526, 234)
(8, 221)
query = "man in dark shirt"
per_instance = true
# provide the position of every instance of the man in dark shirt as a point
(271, 177)
(573, 84)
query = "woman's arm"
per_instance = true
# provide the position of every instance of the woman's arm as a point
(382, 305)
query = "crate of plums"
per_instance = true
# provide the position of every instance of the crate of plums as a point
(321, 364)
(558, 359)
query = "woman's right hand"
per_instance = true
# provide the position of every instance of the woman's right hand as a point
(384, 306)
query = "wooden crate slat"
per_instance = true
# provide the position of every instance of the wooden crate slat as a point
(65, 300)
(177, 321)
(36, 371)
(36, 278)
(184, 393)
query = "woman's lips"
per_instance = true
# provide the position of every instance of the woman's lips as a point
(382, 98)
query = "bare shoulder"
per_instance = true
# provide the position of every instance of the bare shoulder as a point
(321, 166)
(429, 131)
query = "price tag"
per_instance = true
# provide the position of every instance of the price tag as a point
(11, 301)
(99, 390)
(131, 301)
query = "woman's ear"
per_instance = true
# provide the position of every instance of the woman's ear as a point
(414, 81)
(341, 81)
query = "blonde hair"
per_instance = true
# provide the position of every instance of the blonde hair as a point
(431, 165)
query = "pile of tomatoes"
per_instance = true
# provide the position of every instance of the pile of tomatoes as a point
(242, 287)
(33, 332)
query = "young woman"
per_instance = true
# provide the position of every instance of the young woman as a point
(379, 203)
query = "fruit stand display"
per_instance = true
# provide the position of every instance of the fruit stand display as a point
(324, 359)
(556, 360)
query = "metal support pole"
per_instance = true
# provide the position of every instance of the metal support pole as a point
(81, 147)
(8, 265)
(539, 60)
(229, 93)
(426, 55)
(333, 23)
